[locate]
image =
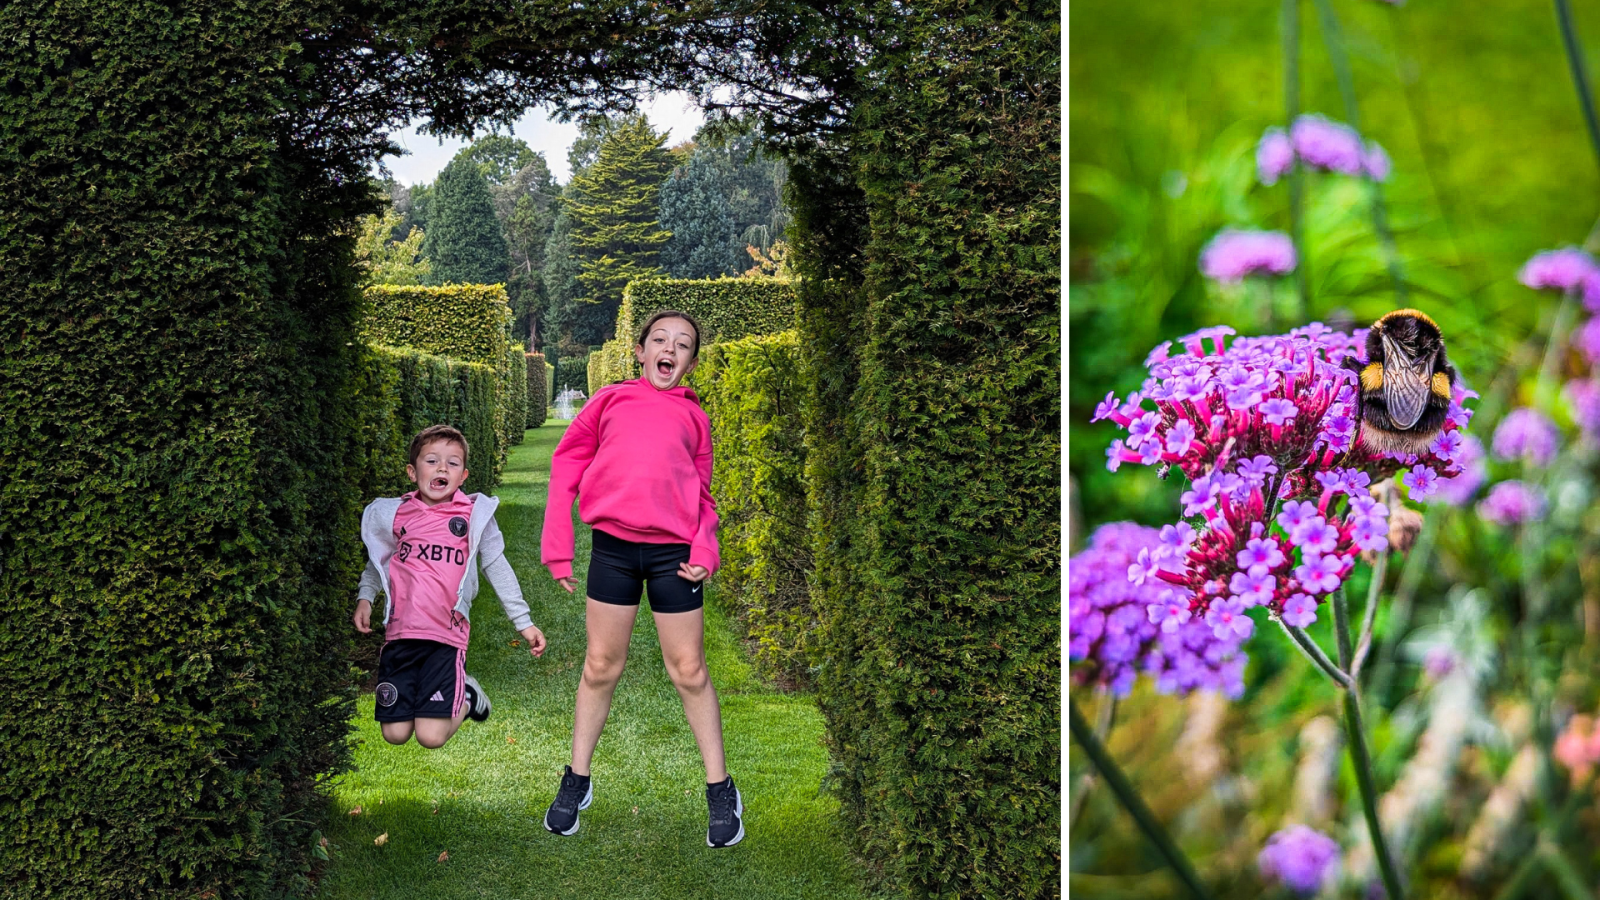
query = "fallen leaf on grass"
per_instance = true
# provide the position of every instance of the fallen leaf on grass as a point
(636, 810)
(516, 643)
(381, 839)
(510, 739)
(444, 855)
(356, 811)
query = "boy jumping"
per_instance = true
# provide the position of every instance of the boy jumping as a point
(420, 553)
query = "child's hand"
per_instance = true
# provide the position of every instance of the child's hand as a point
(363, 617)
(693, 573)
(570, 583)
(535, 639)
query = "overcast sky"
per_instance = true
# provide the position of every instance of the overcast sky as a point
(674, 113)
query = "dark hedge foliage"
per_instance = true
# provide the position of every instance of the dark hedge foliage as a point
(726, 308)
(752, 389)
(517, 407)
(403, 391)
(538, 389)
(572, 372)
(932, 327)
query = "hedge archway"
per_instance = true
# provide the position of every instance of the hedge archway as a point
(176, 516)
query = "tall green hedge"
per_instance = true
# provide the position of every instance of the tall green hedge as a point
(402, 391)
(517, 408)
(179, 462)
(726, 308)
(470, 322)
(613, 362)
(752, 389)
(572, 372)
(538, 388)
(932, 328)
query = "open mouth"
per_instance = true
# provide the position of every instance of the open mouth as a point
(664, 367)
(440, 484)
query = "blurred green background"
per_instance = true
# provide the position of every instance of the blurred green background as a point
(1474, 103)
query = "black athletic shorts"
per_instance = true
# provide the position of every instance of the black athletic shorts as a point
(419, 679)
(619, 570)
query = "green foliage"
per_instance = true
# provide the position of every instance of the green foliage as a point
(518, 409)
(753, 389)
(726, 308)
(614, 207)
(388, 261)
(572, 372)
(464, 238)
(498, 157)
(613, 362)
(549, 384)
(934, 467)
(538, 388)
(468, 322)
(694, 208)
(403, 391)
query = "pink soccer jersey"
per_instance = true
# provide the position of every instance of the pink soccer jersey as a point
(426, 569)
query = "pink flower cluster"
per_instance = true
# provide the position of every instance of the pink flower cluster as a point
(1112, 637)
(1319, 144)
(1264, 430)
(1571, 270)
(1233, 255)
(1578, 747)
(1300, 858)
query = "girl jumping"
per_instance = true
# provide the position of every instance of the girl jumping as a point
(638, 458)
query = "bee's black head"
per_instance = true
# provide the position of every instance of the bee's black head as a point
(1413, 331)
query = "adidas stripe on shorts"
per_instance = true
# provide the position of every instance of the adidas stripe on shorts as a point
(419, 679)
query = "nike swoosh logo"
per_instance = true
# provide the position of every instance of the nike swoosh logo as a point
(695, 589)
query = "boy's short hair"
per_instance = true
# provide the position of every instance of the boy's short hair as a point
(660, 314)
(437, 433)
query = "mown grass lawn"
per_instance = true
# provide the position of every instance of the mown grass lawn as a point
(482, 798)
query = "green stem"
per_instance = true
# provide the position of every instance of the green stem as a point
(1580, 75)
(1565, 873)
(1132, 802)
(1521, 879)
(1291, 104)
(1105, 716)
(1313, 653)
(1333, 39)
(1380, 569)
(1361, 758)
(1404, 595)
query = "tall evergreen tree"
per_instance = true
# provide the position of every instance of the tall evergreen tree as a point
(559, 278)
(464, 240)
(695, 209)
(616, 231)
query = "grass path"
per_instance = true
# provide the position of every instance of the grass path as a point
(481, 798)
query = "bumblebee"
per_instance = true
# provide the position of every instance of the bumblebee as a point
(1406, 384)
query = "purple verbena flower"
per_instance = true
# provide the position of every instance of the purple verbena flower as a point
(1300, 610)
(1324, 144)
(1274, 156)
(1228, 621)
(1234, 255)
(1583, 394)
(1468, 459)
(1300, 858)
(1375, 162)
(1420, 482)
(1260, 556)
(1526, 434)
(1511, 503)
(1566, 269)
(1320, 574)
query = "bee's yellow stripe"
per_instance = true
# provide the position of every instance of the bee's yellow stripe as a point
(1372, 377)
(1407, 312)
(1441, 384)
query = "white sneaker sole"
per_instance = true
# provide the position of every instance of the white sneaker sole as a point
(472, 711)
(738, 810)
(588, 798)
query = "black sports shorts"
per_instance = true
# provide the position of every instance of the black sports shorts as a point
(419, 679)
(619, 570)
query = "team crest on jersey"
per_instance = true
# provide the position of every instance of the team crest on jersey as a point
(387, 694)
(458, 526)
(405, 551)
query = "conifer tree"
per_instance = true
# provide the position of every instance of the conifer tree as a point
(695, 209)
(464, 241)
(616, 233)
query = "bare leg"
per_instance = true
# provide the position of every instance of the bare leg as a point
(683, 648)
(433, 733)
(609, 627)
(396, 732)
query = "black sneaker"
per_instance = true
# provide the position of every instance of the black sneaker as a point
(477, 700)
(577, 792)
(727, 811)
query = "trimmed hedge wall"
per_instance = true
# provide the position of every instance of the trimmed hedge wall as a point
(469, 322)
(517, 378)
(549, 384)
(538, 388)
(404, 391)
(612, 363)
(572, 372)
(726, 308)
(752, 390)
(931, 325)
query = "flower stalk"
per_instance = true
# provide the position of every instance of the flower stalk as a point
(1132, 802)
(1360, 756)
(1580, 76)
(1291, 103)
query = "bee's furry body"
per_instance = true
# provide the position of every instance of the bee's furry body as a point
(1406, 366)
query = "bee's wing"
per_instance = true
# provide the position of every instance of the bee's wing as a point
(1405, 393)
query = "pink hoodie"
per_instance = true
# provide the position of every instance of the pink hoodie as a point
(639, 462)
